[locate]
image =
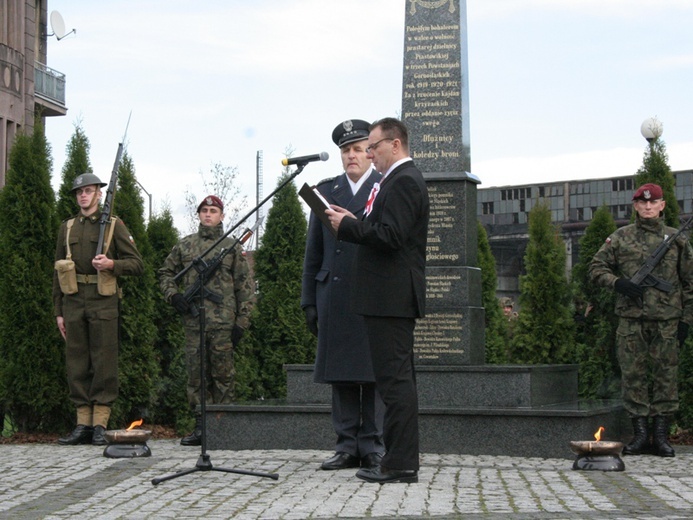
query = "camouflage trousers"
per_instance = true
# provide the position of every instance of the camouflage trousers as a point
(648, 355)
(219, 369)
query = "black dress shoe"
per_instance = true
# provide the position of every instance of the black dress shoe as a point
(99, 439)
(80, 435)
(194, 439)
(381, 475)
(341, 460)
(371, 460)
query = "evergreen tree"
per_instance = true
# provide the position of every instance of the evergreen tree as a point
(138, 367)
(76, 163)
(278, 332)
(33, 390)
(496, 325)
(655, 168)
(595, 317)
(172, 403)
(544, 332)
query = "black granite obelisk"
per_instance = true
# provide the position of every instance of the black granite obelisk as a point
(435, 108)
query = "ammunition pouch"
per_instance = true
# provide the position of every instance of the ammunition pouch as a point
(67, 276)
(107, 283)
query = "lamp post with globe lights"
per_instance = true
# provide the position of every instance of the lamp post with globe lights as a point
(651, 129)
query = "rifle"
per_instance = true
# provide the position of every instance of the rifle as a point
(110, 194)
(208, 271)
(644, 277)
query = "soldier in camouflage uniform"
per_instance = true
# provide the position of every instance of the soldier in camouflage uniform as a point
(87, 320)
(652, 324)
(225, 321)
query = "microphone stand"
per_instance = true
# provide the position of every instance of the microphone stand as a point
(204, 462)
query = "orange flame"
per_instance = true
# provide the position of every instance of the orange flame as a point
(134, 423)
(598, 435)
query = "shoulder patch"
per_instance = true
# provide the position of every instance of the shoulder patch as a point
(325, 181)
(608, 240)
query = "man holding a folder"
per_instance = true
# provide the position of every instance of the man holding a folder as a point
(343, 358)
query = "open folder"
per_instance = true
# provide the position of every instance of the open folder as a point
(318, 204)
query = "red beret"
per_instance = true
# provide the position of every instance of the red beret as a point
(648, 191)
(211, 200)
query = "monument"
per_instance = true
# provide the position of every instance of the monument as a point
(435, 108)
(465, 406)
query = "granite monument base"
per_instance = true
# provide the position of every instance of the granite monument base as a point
(512, 410)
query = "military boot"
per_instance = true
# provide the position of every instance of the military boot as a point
(641, 438)
(101, 415)
(195, 438)
(80, 435)
(660, 437)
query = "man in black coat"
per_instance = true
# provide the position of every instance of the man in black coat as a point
(343, 359)
(389, 289)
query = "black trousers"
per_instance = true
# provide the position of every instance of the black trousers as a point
(391, 343)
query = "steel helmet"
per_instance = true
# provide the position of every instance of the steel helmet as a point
(86, 179)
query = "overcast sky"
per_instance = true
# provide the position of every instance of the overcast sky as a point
(558, 88)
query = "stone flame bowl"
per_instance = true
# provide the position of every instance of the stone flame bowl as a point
(127, 436)
(592, 448)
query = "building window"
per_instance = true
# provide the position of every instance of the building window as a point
(487, 208)
(541, 191)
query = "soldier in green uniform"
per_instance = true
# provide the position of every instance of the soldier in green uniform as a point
(653, 324)
(88, 320)
(226, 320)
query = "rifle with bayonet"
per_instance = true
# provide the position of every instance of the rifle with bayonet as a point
(107, 211)
(644, 277)
(208, 269)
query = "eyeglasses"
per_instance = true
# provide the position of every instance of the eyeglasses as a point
(375, 145)
(86, 191)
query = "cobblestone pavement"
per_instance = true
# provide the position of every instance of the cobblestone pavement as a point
(55, 482)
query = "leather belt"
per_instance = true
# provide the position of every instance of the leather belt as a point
(87, 278)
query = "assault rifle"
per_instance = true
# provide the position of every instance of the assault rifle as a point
(110, 194)
(644, 276)
(209, 269)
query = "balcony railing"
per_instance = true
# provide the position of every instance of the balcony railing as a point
(49, 83)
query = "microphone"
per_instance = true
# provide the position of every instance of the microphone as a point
(322, 156)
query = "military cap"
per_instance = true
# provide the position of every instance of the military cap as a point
(86, 179)
(507, 302)
(648, 191)
(350, 131)
(211, 200)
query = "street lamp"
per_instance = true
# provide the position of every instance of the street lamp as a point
(651, 129)
(150, 199)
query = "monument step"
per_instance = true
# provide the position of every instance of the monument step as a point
(493, 386)
(538, 431)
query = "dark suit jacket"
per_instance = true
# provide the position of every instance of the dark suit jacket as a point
(391, 257)
(343, 354)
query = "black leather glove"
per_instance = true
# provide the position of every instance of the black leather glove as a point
(312, 319)
(236, 335)
(179, 303)
(628, 288)
(682, 333)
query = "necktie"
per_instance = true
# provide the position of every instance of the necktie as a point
(371, 198)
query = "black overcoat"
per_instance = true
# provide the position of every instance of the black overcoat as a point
(342, 354)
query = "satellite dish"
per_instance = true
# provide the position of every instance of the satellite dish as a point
(58, 26)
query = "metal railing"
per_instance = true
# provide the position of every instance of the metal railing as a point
(49, 83)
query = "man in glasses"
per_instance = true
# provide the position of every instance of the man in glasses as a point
(653, 323)
(343, 359)
(389, 289)
(86, 318)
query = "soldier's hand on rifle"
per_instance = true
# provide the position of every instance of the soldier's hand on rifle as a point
(628, 288)
(682, 333)
(312, 319)
(179, 303)
(236, 335)
(102, 262)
